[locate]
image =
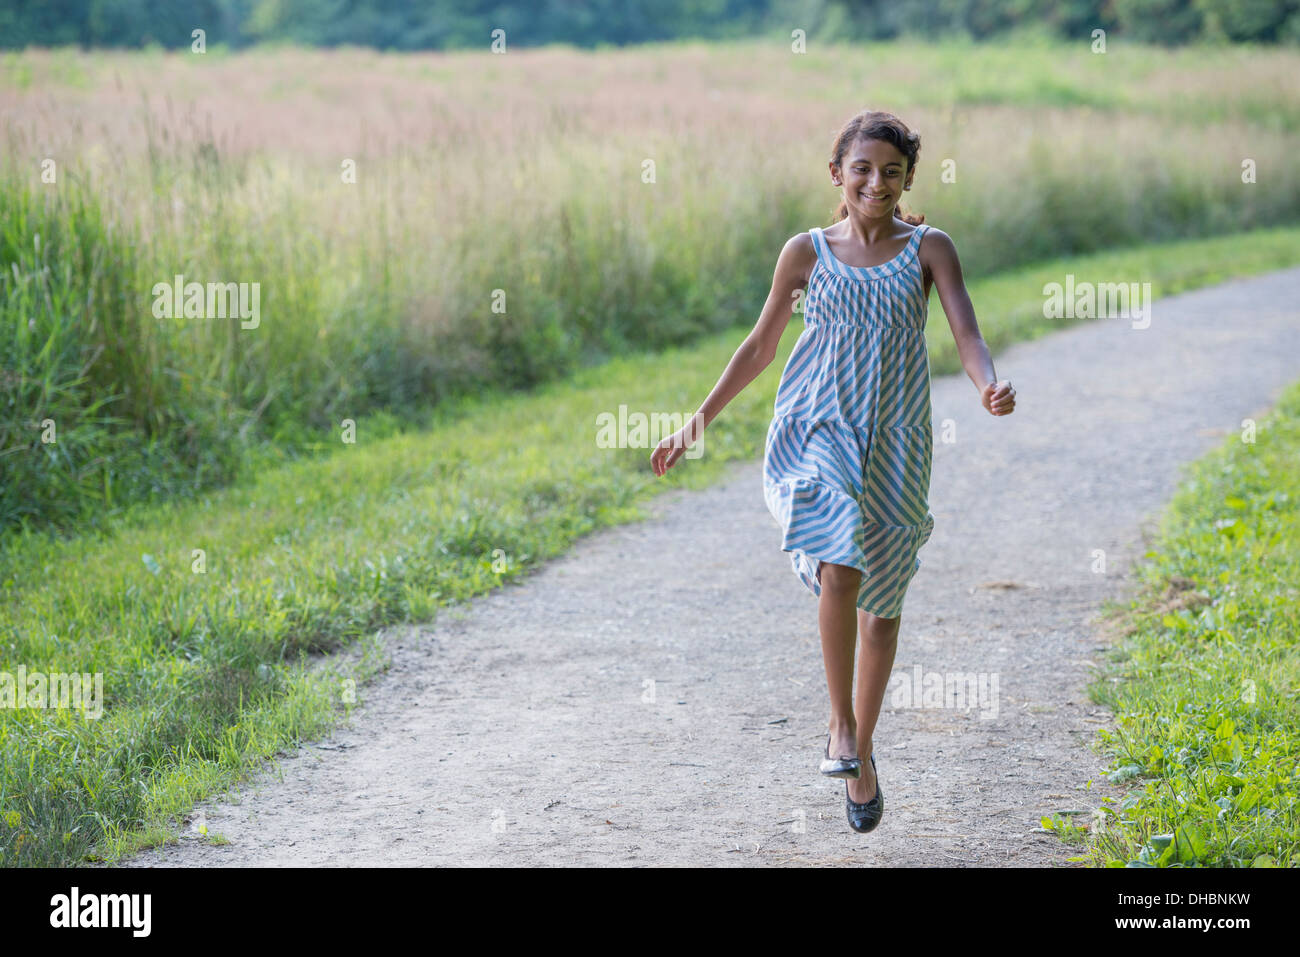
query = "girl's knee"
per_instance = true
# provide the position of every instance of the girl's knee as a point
(876, 630)
(839, 578)
(881, 621)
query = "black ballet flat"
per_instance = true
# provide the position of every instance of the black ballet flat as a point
(865, 817)
(840, 767)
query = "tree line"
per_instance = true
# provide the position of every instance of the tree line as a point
(451, 24)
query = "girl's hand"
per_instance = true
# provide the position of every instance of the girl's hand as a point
(999, 397)
(673, 447)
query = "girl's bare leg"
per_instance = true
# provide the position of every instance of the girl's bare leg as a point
(879, 643)
(837, 621)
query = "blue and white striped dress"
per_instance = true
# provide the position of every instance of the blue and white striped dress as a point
(846, 472)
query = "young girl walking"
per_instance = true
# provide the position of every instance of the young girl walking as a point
(846, 471)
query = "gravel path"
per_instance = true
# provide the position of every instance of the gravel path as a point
(656, 696)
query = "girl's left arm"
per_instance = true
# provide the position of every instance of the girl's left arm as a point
(940, 255)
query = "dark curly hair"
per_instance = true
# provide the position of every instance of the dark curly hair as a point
(878, 125)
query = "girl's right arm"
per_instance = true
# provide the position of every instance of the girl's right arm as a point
(793, 268)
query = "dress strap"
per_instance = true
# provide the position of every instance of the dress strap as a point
(819, 241)
(913, 250)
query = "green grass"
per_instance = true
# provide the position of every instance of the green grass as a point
(1205, 683)
(207, 672)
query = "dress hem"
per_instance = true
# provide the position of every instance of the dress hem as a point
(808, 546)
(877, 608)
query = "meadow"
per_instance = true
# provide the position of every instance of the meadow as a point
(227, 625)
(430, 226)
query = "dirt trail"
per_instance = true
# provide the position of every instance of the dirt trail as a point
(521, 730)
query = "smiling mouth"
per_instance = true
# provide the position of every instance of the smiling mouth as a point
(875, 199)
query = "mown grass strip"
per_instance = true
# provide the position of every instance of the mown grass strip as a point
(1205, 683)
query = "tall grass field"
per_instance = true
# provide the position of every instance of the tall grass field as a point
(430, 226)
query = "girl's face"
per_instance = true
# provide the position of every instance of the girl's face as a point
(874, 175)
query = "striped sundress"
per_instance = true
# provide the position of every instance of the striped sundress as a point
(846, 471)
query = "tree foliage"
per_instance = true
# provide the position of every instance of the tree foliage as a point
(449, 24)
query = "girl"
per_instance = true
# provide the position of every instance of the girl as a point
(846, 471)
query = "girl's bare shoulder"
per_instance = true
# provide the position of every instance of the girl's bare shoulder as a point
(798, 257)
(936, 246)
(802, 243)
